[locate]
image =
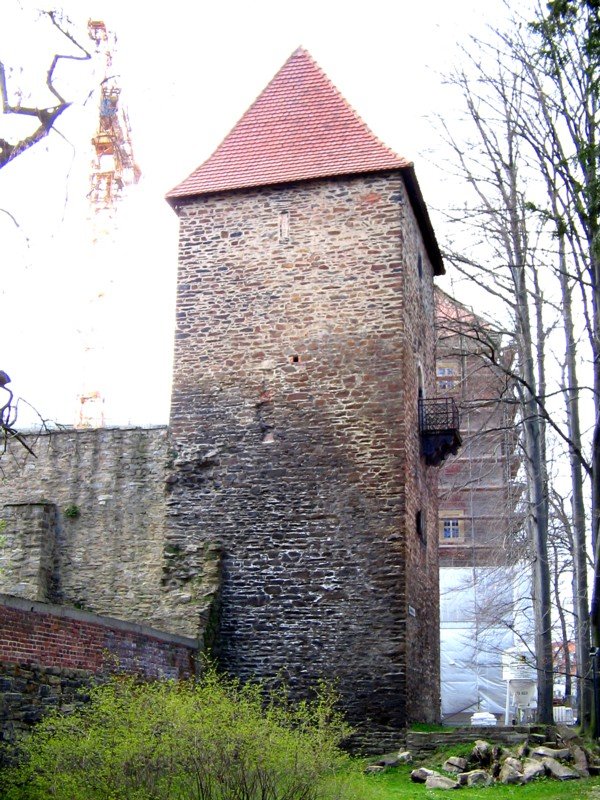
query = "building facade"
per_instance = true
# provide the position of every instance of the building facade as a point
(483, 576)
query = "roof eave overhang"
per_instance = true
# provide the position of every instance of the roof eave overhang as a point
(422, 214)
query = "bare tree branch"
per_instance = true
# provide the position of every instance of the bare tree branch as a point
(46, 116)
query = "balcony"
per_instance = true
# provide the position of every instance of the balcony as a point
(439, 428)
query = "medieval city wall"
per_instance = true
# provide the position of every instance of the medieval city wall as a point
(294, 418)
(278, 517)
(83, 521)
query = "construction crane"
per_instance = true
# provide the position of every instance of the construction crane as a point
(114, 166)
(113, 170)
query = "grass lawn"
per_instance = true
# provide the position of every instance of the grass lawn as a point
(395, 784)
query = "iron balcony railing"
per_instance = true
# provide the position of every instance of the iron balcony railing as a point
(438, 415)
(439, 424)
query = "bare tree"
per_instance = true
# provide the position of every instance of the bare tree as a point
(8, 417)
(532, 101)
(45, 117)
(491, 165)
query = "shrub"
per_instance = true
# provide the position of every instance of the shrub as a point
(208, 740)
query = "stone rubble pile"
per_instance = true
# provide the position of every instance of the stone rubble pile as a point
(487, 764)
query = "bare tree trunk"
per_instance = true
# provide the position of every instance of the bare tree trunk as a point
(503, 212)
(534, 438)
(581, 600)
(556, 581)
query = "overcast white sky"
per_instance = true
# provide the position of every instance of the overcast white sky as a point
(188, 72)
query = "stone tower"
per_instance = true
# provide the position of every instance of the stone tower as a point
(305, 336)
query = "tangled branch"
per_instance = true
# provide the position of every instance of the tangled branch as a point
(8, 417)
(47, 116)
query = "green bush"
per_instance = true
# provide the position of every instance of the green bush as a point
(208, 740)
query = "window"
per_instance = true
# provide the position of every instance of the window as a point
(420, 266)
(451, 527)
(448, 373)
(420, 383)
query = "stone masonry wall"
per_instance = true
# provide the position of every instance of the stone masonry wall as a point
(85, 525)
(423, 745)
(422, 575)
(294, 417)
(49, 653)
(27, 549)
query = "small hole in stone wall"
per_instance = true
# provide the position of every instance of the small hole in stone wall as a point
(295, 359)
(420, 265)
(284, 226)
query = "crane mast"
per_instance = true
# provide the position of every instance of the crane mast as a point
(113, 169)
(114, 166)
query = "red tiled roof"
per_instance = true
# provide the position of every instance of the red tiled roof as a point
(299, 128)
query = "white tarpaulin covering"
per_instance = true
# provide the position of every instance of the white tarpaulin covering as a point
(477, 610)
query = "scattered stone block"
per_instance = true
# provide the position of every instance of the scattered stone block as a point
(580, 762)
(523, 750)
(420, 775)
(391, 760)
(482, 752)
(558, 770)
(441, 782)
(456, 764)
(405, 757)
(475, 777)
(567, 734)
(510, 775)
(374, 769)
(514, 762)
(532, 769)
(562, 754)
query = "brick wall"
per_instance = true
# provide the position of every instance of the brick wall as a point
(55, 636)
(294, 416)
(49, 654)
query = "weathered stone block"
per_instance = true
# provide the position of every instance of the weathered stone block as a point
(440, 782)
(558, 770)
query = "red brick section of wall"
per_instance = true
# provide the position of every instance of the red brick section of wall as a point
(294, 414)
(52, 636)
